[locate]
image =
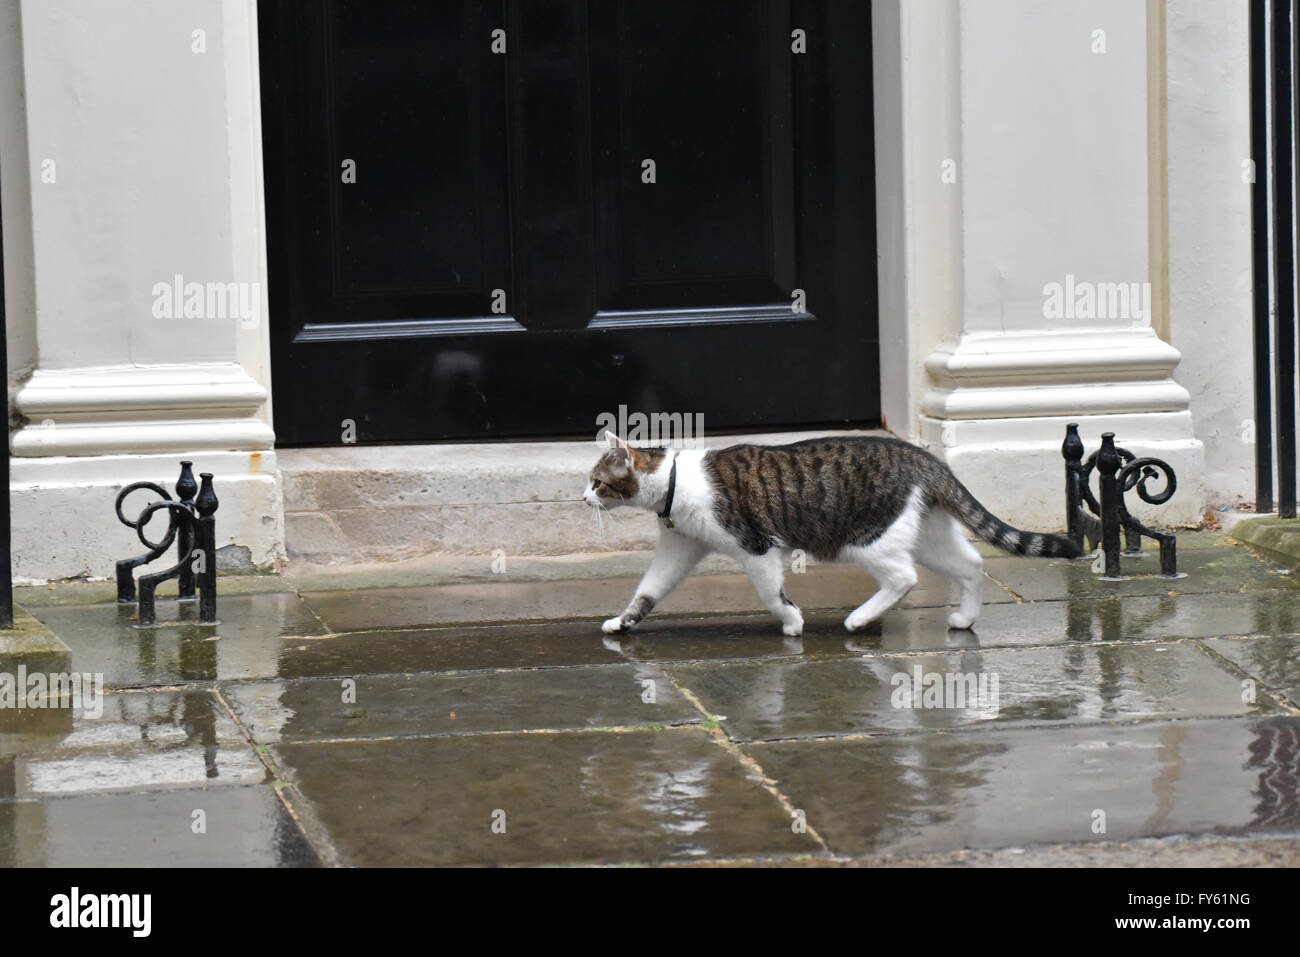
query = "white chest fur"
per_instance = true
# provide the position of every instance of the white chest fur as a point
(693, 505)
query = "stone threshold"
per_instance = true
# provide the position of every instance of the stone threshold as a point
(356, 504)
(1279, 538)
(33, 646)
(621, 567)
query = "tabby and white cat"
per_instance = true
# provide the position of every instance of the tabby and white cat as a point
(879, 502)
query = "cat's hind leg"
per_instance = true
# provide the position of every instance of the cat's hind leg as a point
(890, 560)
(943, 548)
(675, 556)
(767, 572)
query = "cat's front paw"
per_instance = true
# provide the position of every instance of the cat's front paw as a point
(792, 630)
(613, 626)
(856, 620)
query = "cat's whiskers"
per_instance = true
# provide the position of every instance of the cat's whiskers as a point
(597, 508)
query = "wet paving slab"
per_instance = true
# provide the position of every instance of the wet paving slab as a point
(1273, 660)
(1206, 615)
(826, 587)
(1125, 697)
(1142, 617)
(1204, 570)
(140, 741)
(446, 649)
(105, 592)
(1040, 686)
(195, 827)
(277, 636)
(246, 643)
(668, 638)
(582, 798)
(925, 793)
(394, 705)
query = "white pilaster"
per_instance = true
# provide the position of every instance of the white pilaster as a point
(917, 84)
(144, 169)
(1210, 276)
(1052, 319)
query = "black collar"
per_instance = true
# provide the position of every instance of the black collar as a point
(672, 489)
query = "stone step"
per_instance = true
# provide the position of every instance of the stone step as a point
(387, 503)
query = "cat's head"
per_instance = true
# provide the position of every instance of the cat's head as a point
(619, 474)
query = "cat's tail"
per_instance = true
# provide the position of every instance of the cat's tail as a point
(952, 495)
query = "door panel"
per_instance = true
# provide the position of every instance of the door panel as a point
(515, 180)
(433, 224)
(703, 91)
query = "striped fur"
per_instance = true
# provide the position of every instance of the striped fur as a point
(823, 495)
(957, 499)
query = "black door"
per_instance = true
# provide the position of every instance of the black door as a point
(491, 220)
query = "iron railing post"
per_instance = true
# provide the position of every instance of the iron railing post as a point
(1284, 256)
(206, 505)
(1072, 452)
(1260, 255)
(185, 489)
(6, 557)
(1108, 463)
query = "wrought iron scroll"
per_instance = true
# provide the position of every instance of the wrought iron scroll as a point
(1119, 471)
(191, 524)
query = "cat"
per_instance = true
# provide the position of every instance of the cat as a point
(879, 502)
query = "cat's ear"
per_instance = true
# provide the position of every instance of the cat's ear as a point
(624, 454)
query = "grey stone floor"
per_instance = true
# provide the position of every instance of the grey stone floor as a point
(1143, 722)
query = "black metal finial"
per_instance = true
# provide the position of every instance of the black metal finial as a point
(1072, 447)
(206, 503)
(185, 485)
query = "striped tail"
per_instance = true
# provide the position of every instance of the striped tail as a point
(953, 496)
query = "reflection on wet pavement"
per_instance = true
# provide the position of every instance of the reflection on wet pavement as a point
(154, 740)
(244, 827)
(1040, 686)
(385, 728)
(585, 798)
(395, 705)
(919, 793)
(1273, 660)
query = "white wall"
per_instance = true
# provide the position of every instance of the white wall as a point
(1054, 140)
(117, 100)
(916, 64)
(1208, 95)
(20, 285)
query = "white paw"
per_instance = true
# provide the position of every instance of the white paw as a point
(613, 626)
(856, 621)
(793, 630)
(960, 621)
